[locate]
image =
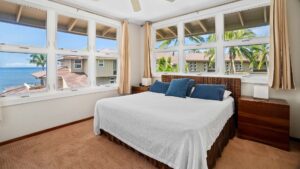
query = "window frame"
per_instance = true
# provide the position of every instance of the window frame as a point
(218, 13)
(53, 10)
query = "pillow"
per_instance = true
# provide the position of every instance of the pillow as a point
(159, 87)
(209, 91)
(227, 93)
(191, 84)
(178, 88)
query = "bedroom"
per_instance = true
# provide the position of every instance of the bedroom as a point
(70, 69)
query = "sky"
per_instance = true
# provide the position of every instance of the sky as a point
(22, 35)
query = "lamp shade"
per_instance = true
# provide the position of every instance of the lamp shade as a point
(146, 81)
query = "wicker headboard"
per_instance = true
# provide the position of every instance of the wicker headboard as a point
(232, 84)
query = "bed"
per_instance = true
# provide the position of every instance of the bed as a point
(171, 132)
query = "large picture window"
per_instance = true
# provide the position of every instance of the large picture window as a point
(220, 43)
(43, 49)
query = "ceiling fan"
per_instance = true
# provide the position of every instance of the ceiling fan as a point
(137, 6)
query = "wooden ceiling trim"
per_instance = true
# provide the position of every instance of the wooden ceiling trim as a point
(241, 19)
(202, 26)
(72, 25)
(265, 15)
(171, 31)
(19, 13)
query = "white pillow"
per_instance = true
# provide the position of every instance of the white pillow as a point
(227, 93)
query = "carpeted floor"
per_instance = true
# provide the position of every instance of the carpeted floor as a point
(77, 147)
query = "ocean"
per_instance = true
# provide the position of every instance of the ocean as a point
(10, 77)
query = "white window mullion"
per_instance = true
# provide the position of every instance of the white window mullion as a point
(180, 34)
(51, 54)
(92, 50)
(220, 59)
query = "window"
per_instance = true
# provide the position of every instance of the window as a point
(166, 61)
(166, 37)
(72, 72)
(106, 74)
(77, 63)
(199, 31)
(72, 33)
(202, 42)
(243, 56)
(22, 25)
(101, 63)
(248, 24)
(22, 73)
(106, 38)
(203, 60)
(247, 59)
(106, 55)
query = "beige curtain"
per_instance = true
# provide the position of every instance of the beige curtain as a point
(281, 76)
(124, 85)
(147, 45)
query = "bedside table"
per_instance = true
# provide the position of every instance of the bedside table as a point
(265, 121)
(139, 89)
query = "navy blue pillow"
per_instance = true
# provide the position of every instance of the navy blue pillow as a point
(159, 87)
(209, 91)
(178, 88)
(191, 84)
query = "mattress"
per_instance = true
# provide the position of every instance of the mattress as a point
(175, 131)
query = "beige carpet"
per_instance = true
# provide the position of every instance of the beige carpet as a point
(77, 147)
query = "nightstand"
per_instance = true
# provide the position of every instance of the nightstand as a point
(265, 121)
(139, 89)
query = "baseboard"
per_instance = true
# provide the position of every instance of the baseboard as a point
(43, 131)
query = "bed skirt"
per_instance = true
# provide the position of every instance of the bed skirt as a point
(213, 154)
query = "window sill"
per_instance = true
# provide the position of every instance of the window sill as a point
(16, 100)
(251, 79)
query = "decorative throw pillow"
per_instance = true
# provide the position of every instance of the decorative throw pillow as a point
(209, 92)
(191, 84)
(159, 87)
(178, 88)
(227, 93)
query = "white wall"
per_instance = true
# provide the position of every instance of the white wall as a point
(23, 119)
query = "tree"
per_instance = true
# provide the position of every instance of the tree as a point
(39, 60)
(260, 53)
(239, 51)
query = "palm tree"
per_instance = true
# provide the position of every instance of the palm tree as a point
(260, 53)
(39, 60)
(239, 51)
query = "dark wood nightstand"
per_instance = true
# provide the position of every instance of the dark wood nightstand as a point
(266, 121)
(139, 89)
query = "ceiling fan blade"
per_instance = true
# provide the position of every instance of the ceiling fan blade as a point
(170, 0)
(136, 5)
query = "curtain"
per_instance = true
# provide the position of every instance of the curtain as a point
(281, 76)
(124, 85)
(147, 46)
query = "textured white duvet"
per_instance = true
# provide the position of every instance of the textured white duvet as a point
(175, 131)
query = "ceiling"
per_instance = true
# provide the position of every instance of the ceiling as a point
(152, 10)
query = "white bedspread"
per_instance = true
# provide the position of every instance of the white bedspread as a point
(175, 131)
